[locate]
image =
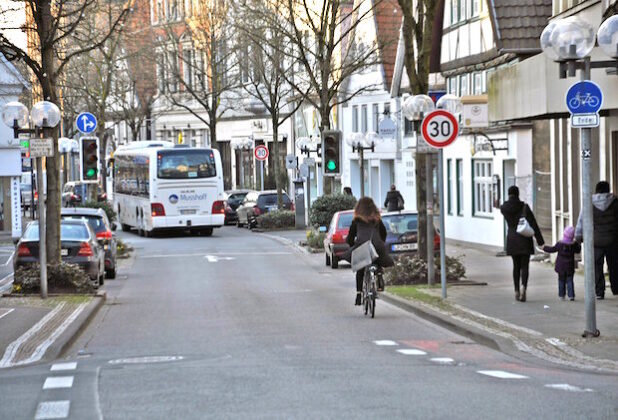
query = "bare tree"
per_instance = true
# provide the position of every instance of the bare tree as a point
(49, 25)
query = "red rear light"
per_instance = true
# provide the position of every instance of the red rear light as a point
(36, 195)
(23, 251)
(157, 209)
(105, 235)
(218, 207)
(85, 250)
(338, 237)
(256, 210)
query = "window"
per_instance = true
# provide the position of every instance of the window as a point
(161, 74)
(462, 10)
(376, 116)
(172, 82)
(131, 175)
(452, 85)
(454, 11)
(478, 83)
(408, 127)
(199, 70)
(475, 6)
(483, 194)
(387, 108)
(183, 164)
(355, 118)
(187, 67)
(463, 85)
(460, 185)
(364, 118)
(449, 182)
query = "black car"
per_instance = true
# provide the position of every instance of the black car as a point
(78, 243)
(402, 233)
(99, 222)
(234, 199)
(256, 203)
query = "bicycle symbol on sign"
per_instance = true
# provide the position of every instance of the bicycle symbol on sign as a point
(583, 100)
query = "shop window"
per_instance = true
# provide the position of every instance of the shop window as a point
(483, 194)
(460, 186)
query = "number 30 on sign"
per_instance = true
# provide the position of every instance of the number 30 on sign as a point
(440, 128)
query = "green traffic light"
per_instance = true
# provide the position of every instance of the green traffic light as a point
(331, 165)
(90, 173)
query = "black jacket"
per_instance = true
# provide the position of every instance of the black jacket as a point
(361, 232)
(565, 261)
(517, 244)
(392, 201)
(605, 220)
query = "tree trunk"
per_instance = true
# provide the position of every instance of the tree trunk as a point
(327, 181)
(421, 204)
(276, 164)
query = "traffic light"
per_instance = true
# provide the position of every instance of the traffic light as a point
(89, 158)
(331, 152)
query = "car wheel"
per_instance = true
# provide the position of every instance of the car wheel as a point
(124, 227)
(102, 279)
(327, 258)
(238, 224)
(111, 274)
(334, 262)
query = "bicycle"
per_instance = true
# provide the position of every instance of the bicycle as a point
(586, 99)
(370, 290)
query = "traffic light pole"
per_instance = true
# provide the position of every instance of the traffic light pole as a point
(42, 228)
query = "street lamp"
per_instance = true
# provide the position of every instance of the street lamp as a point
(241, 145)
(361, 142)
(44, 115)
(569, 42)
(308, 145)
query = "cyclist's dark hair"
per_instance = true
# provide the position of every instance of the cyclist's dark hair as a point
(602, 187)
(367, 211)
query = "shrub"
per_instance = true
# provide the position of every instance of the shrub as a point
(277, 219)
(61, 278)
(122, 249)
(105, 205)
(413, 270)
(315, 239)
(325, 206)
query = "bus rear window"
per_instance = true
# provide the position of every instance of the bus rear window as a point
(186, 164)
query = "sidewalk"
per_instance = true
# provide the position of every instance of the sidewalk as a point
(543, 326)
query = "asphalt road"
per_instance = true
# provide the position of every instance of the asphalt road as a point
(6, 266)
(242, 326)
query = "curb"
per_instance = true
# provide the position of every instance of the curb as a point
(68, 337)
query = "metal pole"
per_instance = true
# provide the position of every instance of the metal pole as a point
(588, 228)
(362, 169)
(431, 271)
(442, 217)
(42, 228)
(308, 194)
(261, 175)
(32, 164)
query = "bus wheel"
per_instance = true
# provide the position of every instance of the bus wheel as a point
(125, 227)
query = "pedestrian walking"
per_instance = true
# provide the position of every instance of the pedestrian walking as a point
(565, 261)
(605, 221)
(347, 191)
(367, 225)
(519, 245)
(394, 200)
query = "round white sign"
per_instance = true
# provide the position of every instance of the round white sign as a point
(261, 152)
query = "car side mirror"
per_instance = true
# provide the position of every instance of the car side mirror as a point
(322, 229)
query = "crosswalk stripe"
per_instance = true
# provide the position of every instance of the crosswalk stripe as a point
(501, 374)
(411, 352)
(567, 387)
(53, 410)
(443, 360)
(54, 382)
(63, 366)
(385, 343)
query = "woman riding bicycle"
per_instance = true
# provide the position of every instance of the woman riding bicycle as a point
(367, 225)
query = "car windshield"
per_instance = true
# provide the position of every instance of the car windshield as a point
(68, 232)
(345, 220)
(401, 223)
(271, 199)
(96, 223)
(184, 163)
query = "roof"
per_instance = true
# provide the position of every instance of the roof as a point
(518, 23)
(388, 17)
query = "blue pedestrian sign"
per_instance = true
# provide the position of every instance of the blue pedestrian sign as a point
(584, 97)
(86, 122)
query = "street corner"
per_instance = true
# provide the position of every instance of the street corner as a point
(33, 329)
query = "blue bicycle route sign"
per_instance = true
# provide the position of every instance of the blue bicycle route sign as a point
(584, 97)
(86, 122)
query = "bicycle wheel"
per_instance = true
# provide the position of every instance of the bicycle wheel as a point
(372, 305)
(366, 294)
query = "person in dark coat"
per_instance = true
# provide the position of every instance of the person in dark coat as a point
(367, 225)
(605, 221)
(565, 261)
(394, 200)
(518, 246)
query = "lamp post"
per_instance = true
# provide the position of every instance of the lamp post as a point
(569, 42)
(308, 145)
(414, 109)
(241, 145)
(361, 142)
(44, 115)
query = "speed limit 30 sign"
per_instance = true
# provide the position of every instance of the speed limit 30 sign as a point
(440, 128)
(261, 152)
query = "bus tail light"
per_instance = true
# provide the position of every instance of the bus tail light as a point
(157, 209)
(218, 207)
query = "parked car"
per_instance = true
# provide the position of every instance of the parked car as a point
(74, 192)
(259, 202)
(79, 246)
(335, 241)
(402, 233)
(103, 229)
(234, 199)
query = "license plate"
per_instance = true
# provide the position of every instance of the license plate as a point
(404, 247)
(64, 252)
(272, 208)
(187, 211)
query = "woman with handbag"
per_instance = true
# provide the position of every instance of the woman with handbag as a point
(367, 226)
(394, 200)
(522, 227)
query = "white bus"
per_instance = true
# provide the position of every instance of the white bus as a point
(159, 188)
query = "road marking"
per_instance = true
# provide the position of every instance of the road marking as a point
(54, 382)
(53, 410)
(567, 387)
(442, 360)
(9, 260)
(244, 254)
(501, 374)
(214, 258)
(63, 366)
(385, 343)
(146, 359)
(412, 352)
(8, 311)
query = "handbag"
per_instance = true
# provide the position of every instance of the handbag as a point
(363, 255)
(523, 227)
(399, 203)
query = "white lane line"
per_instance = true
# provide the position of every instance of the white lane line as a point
(6, 277)
(53, 410)
(244, 254)
(385, 343)
(567, 387)
(442, 360)
(54, 382)
(8, 311)
(12, 348)
(412, 352)
(63, 366)
(9, 260)
(501, 374)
